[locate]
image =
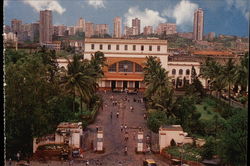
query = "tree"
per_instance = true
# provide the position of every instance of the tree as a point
(228, 76)
(233, 140)
(242, 72)
(79, 80)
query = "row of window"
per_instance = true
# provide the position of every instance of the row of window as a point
(125, 66)
(125, 47)
(181, 72)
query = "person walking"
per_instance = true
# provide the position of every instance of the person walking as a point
(10, 162)
(125, 150)
(126, 136)
(18, 156)
(111, 114)
(145, 116)
(121, 128)
(87, 163)
(117, 114)
(96, 128)
(125, 127)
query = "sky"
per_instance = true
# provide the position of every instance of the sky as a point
(230, 17)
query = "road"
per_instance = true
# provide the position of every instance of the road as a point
(114, 140)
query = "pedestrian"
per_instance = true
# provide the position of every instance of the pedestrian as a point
(111, 114)
(105, 91)
(145, 116)
(126, 136)
(117, 114)
(125, 127)
(10, 162)
(87, 163)
(96, 128)
(112, 97)
(113, 103)
(125, 150)
(134, 135)
(120, 164)
(18, 156)
(141, 100)
(121, 128)
(131, 108)
(134, 100)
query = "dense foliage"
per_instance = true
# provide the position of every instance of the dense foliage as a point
(39, 95)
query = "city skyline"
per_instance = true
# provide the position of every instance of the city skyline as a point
(150, 14)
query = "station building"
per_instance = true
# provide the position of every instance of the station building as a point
(125, 59)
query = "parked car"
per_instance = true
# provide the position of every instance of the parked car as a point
(149, 162)
(76, 153)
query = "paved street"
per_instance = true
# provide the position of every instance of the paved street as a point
(114, 138)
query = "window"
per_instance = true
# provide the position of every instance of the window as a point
(187, 72)
(134, 47)
(126, 47)
(173, 72)
(109, 47)
(100, 46)
(125, 66)
(158, 48)
(142, 48)
(173, 81)
(138, 68)
(150, 48)
(180, 72)
(92, 46)
(117, 47)
(112, 68)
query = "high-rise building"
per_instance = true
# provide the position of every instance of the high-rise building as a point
(101, 29)
(128, 31)
(71, 30)
(16, 25)
(211, 35)
(34, 32)
(137, 24)
(198, 24)
(117, 27)
(166, 28)
(89, 29)
(147, 30)
(46, 26)
(81, 25)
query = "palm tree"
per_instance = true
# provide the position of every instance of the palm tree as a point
(228, 76)
(242, 72)
(79, 79)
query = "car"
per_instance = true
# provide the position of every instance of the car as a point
(149, 162)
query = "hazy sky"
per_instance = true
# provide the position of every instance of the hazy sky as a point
(220, 16)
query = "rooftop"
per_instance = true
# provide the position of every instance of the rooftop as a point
(69, 125)
(133, 41)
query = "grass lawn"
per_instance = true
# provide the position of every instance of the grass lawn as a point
(206, 108)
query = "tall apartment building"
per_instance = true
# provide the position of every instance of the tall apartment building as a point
(147, 30)
(46, 26)
(89, 29)
(166, 28)
(101, 29)
(16, 25)
(34, 37)
(128, 31)
(80, 26)
(211, 35)
(198, 24)
(137, 24)
(117, 27)
(71, 30)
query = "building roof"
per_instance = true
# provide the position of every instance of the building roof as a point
(171, 128)
(128, 41)
(226, 53)
(69, 125)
